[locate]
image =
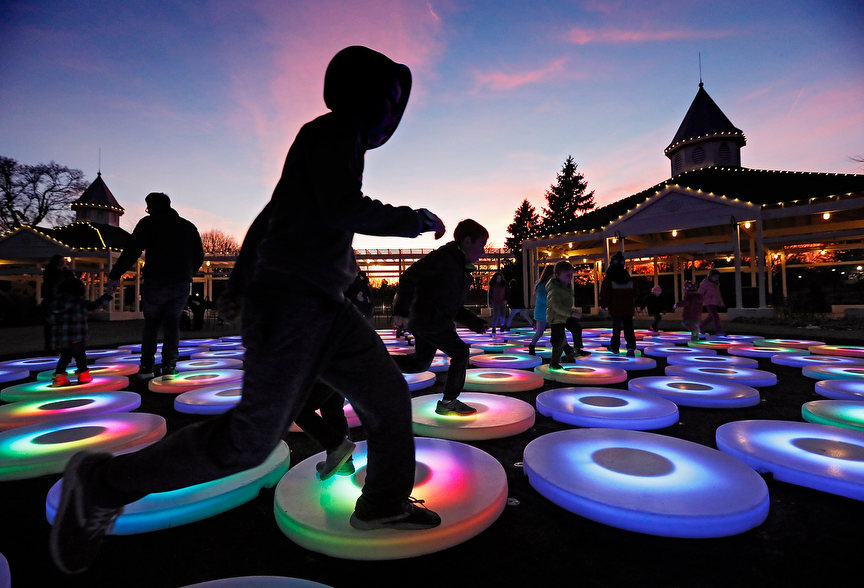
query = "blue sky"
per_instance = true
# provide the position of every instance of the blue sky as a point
(202, 99)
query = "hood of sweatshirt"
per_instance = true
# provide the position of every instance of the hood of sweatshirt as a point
(357, 83)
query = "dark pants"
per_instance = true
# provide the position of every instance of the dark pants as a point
(331, 427)
(425, 345)
(556, 338)
(284, 360)
(655, 321)
(75, 350)
(162, 304)
(713, 317)
(625, 323)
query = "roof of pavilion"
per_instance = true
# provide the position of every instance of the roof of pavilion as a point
(704, 120)
(81, 235)
(759, 187)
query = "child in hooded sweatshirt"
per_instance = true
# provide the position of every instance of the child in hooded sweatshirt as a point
(561, 315)
(303, 259)
(618, 294)
(691, 306)
(68, 320)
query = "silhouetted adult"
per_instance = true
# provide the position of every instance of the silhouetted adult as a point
(173, 254)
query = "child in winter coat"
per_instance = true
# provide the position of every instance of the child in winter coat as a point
(560, 314)
(691, 306)
(68, 320)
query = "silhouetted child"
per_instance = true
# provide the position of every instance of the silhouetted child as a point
(498, 301)
(303, 260)
(540, 306)
(561, 315)
(430, 297)
(653, 305)
(68, 319)
(618, 294)
(691, 309)
(712, 299)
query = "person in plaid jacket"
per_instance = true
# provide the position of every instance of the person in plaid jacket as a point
(68, 320)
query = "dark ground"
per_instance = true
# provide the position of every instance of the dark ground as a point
(809, 538)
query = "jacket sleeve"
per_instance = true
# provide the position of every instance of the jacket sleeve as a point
(409, 281)
(244, 267)
(131, 252)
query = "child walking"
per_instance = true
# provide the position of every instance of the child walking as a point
(618, 294)
(68, 320)
(709, 288)
(430, 297)
(691, 306)
(653, 306)
(540, 306)
(561, 315)
(498, 301)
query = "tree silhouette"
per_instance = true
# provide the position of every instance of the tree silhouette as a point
(217, 242)
(30, 194)
(524, 226)
(568, 198)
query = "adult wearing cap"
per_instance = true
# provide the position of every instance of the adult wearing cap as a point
(173, 253)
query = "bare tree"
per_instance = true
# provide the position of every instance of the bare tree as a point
(30, 194)
(217, 242)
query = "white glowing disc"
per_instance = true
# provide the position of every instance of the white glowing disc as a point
(607, 408)
(582, 374)
(185, 381)
(619, 361)
(501, 380)
(210, 399)
(765, 351)
(841, 389)
(834, 372)
(727, 373)
(814, 359)
(420, 380)
(209, 363)
(715, 360)
(496, 417)
(705, 393)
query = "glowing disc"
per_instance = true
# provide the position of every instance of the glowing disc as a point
(715, 360)
(185, 381)
(36, 450)
(726, 373)
(209, 363)
(834, 372)
(225, 346)
(607, 407)
(219, 354)
(583, 374)
(699, 392)
(841, 389)
(13, 374)
(117, 369)
(839, 413)
(464, 485)
(133, 358)
(507, 360)
(805, 360)
(501, 380)
(715, 343)
(31, 412)
(34, 364)
(93, 354)
(822, 457)
(788, 343)
(497, 417)
(619, 361)
(495, 347)
(238, 338)
(601, 332)
(440, 364)
(670, 350)
(162, 510)
(420, 380)
(43, 388)
(765, 352)
(842, 350)
(542, 352)
(210, 399)
(258, 582)
(646, 482)
(197, 342)
(670, 337)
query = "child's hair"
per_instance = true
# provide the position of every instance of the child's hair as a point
(497, 277)
(656, 290)
(71, 287)
(562, 266)
(471, 229)
(689, 286)
(713, 272)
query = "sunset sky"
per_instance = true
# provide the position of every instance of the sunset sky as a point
(202, 99)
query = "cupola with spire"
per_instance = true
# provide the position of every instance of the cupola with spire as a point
(98, 205)
(705, 138)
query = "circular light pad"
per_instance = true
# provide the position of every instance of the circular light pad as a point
(36, 450)
(31, 412)
(506, 360)
(814, 359)
(420, 380)
(788, 343)
(464, 485)
(765, 352)
(839, 413)
(834, 372)
(842, 350)
(705, 393)
(727, 373)
(646, 482)
(841, 389)
(501, 380)
(716, 343)
(496, 417)
(214, 399)
(185, 381)
(495, 347)
(583, 374)
(13, 374)
(675, 350)
(209, 363)
(709, 360)
(219, 354)
(34, 364)
(607, 407)
(162, 510)
(822, 457)
(44, 389)
(619, 361)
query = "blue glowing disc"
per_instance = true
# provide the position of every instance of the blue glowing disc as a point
(765, 351)
(33, 364)
(32, 412)
(841, 389)
(209, 363)
(133, 358)
(497, 416)
(420, 380)
(607, 408)
(238, 338)
(839, 413)
(704, 393)
(464, 485)
(163, 510)
(619, 361)
(495, 346)
(219, 354)
(197, 342)
(670, 337)
(674, 350)
(725, 373)
(715, 360)
(646, 482)
(834, 372)
(214, 399)
(258, 582)
(13, 374)
(805, 360)
(506, 360)
(226, 345)
(822, 457)
(93, 354)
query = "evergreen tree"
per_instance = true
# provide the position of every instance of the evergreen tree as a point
(568, 198)
(524, 226)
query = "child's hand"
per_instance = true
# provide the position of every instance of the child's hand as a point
(431, 223)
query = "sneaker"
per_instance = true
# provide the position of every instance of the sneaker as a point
(347, 468)
(60, 380)
(414, 516)
(532, 350)
(79, 526)
(582, 353)
(569, 357)
(454, 407)
(336, 458)
(614, 350)
(631, 353)
(145, 371)
(169, 372)
(84, 376)
(555, 366)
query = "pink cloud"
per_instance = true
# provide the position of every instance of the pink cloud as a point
(584, 36)
(498, 80)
